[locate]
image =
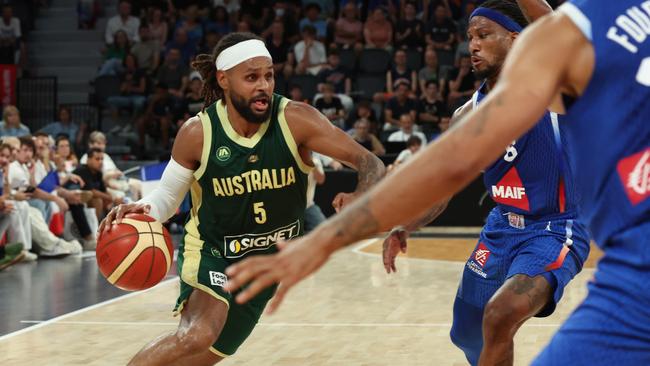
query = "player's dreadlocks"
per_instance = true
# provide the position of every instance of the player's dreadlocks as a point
(508, 8)
(205, 65)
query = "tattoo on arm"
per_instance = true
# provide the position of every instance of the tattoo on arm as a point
(370, 171)
(430, 216)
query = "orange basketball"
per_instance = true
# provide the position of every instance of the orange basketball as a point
(135, 254)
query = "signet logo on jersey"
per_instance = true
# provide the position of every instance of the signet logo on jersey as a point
(236, 246)
(511, 191)
(223, 153)
(634, 171)
(481, 254)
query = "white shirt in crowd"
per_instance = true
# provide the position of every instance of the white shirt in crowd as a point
(130, 27)
(107, 165)
(317, 55)
(400, 136)
(18, 175)
(405, 155)
(10, 30)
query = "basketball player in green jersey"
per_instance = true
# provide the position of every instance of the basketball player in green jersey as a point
(245, 160)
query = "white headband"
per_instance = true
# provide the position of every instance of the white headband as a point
(240, 52)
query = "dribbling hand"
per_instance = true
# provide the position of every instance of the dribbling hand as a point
(394, 243)
(117, 213)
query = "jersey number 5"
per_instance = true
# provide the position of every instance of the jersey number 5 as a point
(260, 212)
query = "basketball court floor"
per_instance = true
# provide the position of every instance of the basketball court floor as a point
(350, 313)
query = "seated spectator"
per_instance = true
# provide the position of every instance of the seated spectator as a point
(406, 131)
(193, 101)
(295, 93)
(157, 118)
(11, 125)
(362, 135)
(278, 47)
(210, 42)
(430, 70)
(91, 173)
(117, 184)
(400, 73)
(65, 126)
(348, 29)
(330, 105)
(158, 27)
(462, 84)
(364, 111)
(333, 73)
(10, 37)
(219, 22)
(287, 14)
(378, 30)
(399, 105)
(114, 55)
(123, 21)
(413, 146)
(431, 109)
(173, 73)
(256, 14)
(410, 30)
(87, 13)
(441, 33)
(232, 6)
(184, 45)
(309, 53)
(65, 159)
(312, 18)
(191, 24)
(133, 85)
(146, 52)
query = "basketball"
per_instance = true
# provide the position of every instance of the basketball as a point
(135, 254)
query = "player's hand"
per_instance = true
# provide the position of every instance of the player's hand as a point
(116, 214)
(293, 263)
(342, 199)
(394, 243)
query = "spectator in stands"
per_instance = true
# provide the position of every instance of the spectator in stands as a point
(286, 13)
(10, 37)
(348, 29)
(14, 217)
(462, 84)
(122, 21)
(174, 74)
(210, 42)
(256, 13)
(158, 27)
(146, 52)
(330, 105)
(243, 26)
(115, 54)
(117, 184)
(295, 93)
(430, 70)
(193, 101)
(278, 46)
(398, 105)
(313, 213)
(401, 73)
(11, 125)
(309, 53)
(87, 13)
(65, 159)
(441, 31)
(430, 109)
(413, 146)
(219, 22)
(232, 7)
(410, 30)
(333, 73)
(133, 84)
(157, 118)
(378, 30)
(362, 135)
(406, 131)
(463, 22)
(364, 111)
(65, 126)
(312, 17)
(91, 173)
(182, 43)
(191, 24)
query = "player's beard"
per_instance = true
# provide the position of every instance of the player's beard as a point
(245, 110)
(487, 73)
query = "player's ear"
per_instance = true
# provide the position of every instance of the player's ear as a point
(222, 80)
(514, 35)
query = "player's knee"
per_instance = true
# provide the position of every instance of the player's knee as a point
(502, 316)
(196, 340)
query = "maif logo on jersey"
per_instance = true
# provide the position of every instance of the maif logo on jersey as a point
(634, 172)
(237, 246)
(511, 191)
(481, 254)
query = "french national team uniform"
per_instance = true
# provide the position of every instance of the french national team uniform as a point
(609, 130)
(532, 231)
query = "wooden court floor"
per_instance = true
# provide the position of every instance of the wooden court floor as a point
(349, 313)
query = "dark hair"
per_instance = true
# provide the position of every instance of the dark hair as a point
(205, 65)
(27, 141)
(41, 134)
(413, 141)
(92, 151)
(309, 29)
(61, 137)
(429, 82)
(508, 8)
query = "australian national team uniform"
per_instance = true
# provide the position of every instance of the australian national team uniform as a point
(532, 231)
(609, 130)
(248, 194)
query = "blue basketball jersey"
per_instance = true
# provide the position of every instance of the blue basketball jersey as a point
(531, 178)
(609, 125)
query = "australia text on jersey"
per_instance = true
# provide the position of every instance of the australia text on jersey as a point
(254, 180)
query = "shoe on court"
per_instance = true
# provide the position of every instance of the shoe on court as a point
(29, 256)
(60, 249)
(13, 254)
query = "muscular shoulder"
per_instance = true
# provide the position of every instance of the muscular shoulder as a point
(304, 120)
(189, 143)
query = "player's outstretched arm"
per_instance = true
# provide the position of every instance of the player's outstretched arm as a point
(163, 201)
(535, 70)
(314, 132)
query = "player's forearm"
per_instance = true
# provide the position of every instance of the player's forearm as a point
(534, 9)
(370, 170)
(433, 214)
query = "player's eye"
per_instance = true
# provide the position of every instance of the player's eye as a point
(251, 77)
